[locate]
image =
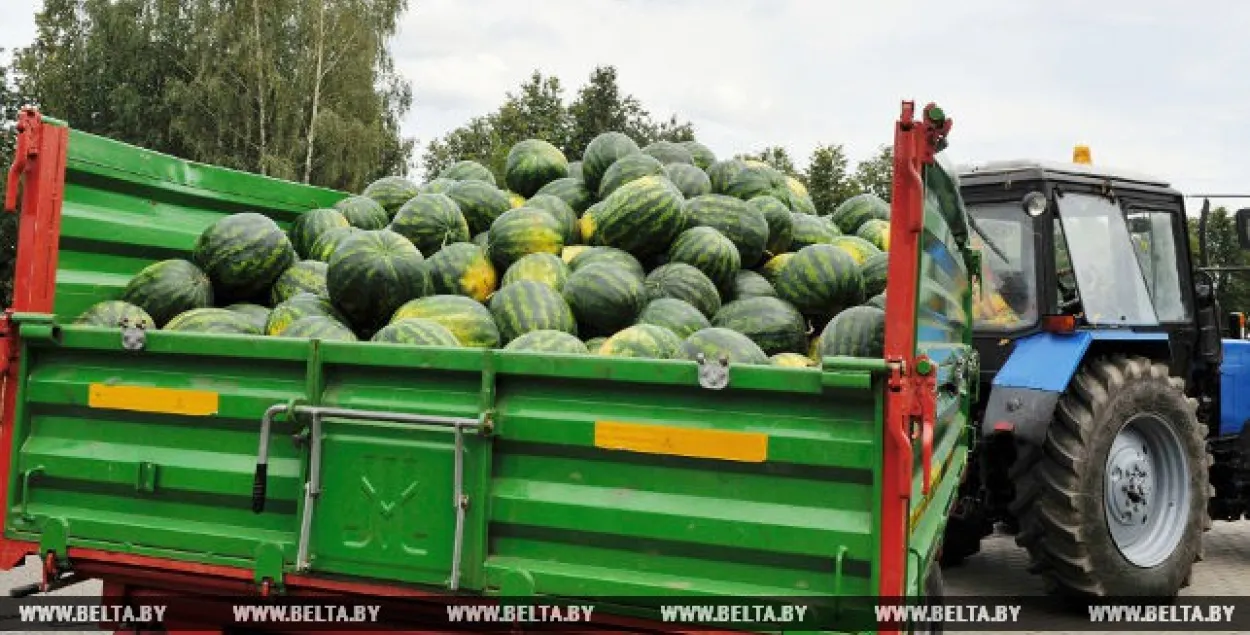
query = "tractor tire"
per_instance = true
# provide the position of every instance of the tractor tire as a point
(961, 541)
(1125, 447)
(934, 595)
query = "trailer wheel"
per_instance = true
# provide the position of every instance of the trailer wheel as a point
(1115, 501)
(934, 595)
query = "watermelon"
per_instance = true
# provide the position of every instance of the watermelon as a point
(468, 171)
(810, 230)
(690, 181)
(243, 254)
(514, 199)
(684, 282)
(569, 253)
(305, 276)
(372, 274)
(858, 248)
(299, 306)
(628, 169)
(739, 221)
(169, 287)
(791, 360)
(391, 192)
(775, 325)
(575, 170)
(642, 217)
(780, 223)
(703, 156)
(527, 306)
(572, 191)
(466, 319)
(363, 212)
(430, 221)
(749, 284)
(480, 203)
(594, 344)
(608, 255)
(319, 327)
(855, 211)
(707, 250)
(856, 332)
(533, 163)
(772, 269)
(721, 172)
(545, 268)
(678, 316)
(604, 298)
(754, 179)
(548, 341)
(715, 343)
(642, 340)
(820, 280)
(211, 320)
(416, 332)
(560, 211)
(329, 241)
(255, 312)
(439, 186)
(116, 314)
(877, 232)
(462, 269)
(588, 222)
(482, 240)
(667, 152)
(874, 272)
(601, 153)
(799, 204)
(524, 231)
(310, 225)
(796, 187)
(877, 301)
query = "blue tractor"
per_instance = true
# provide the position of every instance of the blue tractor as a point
(1105, 442)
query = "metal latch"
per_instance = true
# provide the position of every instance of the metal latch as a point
(713, 375)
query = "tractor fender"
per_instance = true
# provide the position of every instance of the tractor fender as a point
(1025, 391)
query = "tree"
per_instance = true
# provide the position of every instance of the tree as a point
(11, 102)
(1223, 249)
(600, 107)
(827, 180)
(876, 175)
(776, 156)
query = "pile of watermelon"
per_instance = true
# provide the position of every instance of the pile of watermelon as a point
(659, 252)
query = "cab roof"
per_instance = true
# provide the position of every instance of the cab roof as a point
(1055, 170)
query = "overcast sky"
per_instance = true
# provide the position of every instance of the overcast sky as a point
(1150, 85)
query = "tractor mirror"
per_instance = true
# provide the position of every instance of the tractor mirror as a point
(1243, 227)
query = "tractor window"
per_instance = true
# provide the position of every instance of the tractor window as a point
(1006, 300)
(1109, 279)
(1154, 239)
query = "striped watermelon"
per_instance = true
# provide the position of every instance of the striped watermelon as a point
(775, 325)
(707, 250)
(811, 230)
(116, 314)
(169, 287)
(524, 231)
(702, 155)
(548, 341)
(604, 298)
(329, 241)
(482, 240)
(772, 269)
(749, 284)
(642, 340)
(469, 171)
(391, 192)
(874, 272)
(678, 316)
(545, 268)
(594, 344)
(738, 220)
(588, 222)
(575, 170)
(514, 199)
(791, 360)
(569, 253)
(310, 225)
(721, 173)
(533, 163)
(800, 204)
(211, 320)
(416, 332)
(301, 305)
(877, 232)
(859, 249)
(856, 332)
(319, 327)
(243, 254)
(305, 276)
(601, 153)
(642, 217)
(374, 273)
(258, 314)
(438, 186)
(530, 306)
(466, 319)
(430, 221)
(754, 179)
(627, 170)
(480, 203)
(560, 211)
(877, 301)
(855, 211)
(667, 152)
(780, 223)
(572, 191)
(690, 180)
(796, 187)
(462, 269)
(684, 282)
(363, 212)
(715, 343)
(821, 280)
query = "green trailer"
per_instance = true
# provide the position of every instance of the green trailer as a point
(237, 465)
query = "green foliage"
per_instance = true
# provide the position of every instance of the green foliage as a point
(776, 156)
(1232, 288)
(11, 101)
(876, 174)
(827, 180)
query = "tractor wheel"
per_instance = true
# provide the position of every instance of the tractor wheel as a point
(961, 541)
(934, 595)
(1115, 502)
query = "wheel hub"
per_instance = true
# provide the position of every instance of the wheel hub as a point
(1146, 490)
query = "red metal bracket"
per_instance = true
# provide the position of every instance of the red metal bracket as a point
(29, 136)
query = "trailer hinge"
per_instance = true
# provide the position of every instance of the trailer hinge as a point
(922, 414)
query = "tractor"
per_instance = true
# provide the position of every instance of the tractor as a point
(1104, 442)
